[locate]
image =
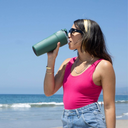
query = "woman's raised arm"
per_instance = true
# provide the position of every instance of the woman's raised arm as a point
(53, 83)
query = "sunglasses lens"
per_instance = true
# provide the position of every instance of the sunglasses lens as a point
(71, 30)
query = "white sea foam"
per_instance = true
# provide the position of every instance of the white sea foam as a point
(29, 105)
(119, 117)
(101, 102)
(121, 101)
(20, 106)
(4, 105)
(126, 114)
(40, 104)
(123, 114)
(47, 103)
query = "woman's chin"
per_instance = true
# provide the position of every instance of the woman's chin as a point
(71, 48)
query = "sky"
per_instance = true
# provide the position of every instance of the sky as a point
(24, 23)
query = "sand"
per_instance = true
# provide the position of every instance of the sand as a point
(122, 124)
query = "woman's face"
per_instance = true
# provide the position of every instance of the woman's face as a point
(74, 40)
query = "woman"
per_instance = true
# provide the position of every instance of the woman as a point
(83, 77)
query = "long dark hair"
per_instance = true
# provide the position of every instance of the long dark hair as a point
(92, 39)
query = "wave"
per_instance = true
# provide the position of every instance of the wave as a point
(117, 117)
(43, 104)
(121, 101)
(29, 105)
(123, 114)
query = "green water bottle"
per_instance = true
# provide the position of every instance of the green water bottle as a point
(50, 43)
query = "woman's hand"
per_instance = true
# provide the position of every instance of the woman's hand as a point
(53, 54)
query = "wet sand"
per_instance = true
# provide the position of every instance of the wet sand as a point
(121, 123)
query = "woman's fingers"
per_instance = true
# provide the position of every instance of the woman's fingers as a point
(57, 48)
(54, 53)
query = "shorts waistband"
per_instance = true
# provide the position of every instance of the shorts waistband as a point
(85, 108)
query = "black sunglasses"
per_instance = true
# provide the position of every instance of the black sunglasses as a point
(72, 30)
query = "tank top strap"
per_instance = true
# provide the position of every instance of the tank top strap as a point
(72, 60)
(97, 62)
(70, 63)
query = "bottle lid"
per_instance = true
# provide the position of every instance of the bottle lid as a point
(65, 30)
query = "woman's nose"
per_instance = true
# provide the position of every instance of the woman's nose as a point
(69, 35)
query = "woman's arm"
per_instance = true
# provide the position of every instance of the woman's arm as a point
(53, 83)
(108, 85)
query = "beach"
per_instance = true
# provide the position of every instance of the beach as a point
(39, 111)
(122, 124)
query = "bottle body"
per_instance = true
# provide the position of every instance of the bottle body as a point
(50, 43)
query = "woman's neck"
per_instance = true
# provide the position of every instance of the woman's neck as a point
(86, 57)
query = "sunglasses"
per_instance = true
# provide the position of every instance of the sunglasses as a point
(72, 30)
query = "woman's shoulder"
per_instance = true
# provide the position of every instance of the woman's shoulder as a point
(65, 62)
(105, 66)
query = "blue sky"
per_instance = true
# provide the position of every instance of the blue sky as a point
(23, 23)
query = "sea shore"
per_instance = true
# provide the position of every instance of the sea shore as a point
(119, 124)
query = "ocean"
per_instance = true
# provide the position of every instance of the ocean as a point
(39, 111)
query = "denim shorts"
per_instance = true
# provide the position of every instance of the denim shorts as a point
(89, 116)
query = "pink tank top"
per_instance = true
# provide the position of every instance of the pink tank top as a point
(80, 90)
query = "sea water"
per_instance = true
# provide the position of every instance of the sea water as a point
(39, 111)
